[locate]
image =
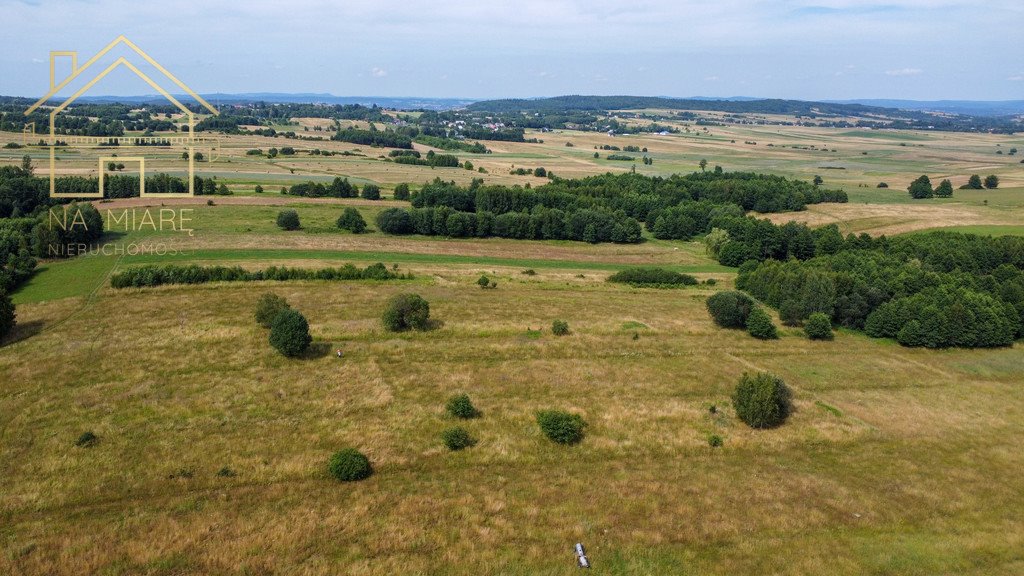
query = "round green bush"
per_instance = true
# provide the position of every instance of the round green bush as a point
(268, 307)
(457, 438)
(762, 400)
(352, 221)
(349, 465)
(460, 406)
(288, 220)
(559, 327)
(289, 333)
(818, 327)
(483, 281)
(730, 308)
(406, 312)
(715, 441)
(7, 314)
(760, 325)
(561, 427)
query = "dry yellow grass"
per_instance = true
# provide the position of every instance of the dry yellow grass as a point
(917, 475)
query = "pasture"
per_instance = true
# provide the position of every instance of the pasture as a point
(896, 460)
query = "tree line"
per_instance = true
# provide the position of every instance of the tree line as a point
(677, 207)
(540, 223)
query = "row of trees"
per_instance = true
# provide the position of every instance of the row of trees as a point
(338, 188)
(148, 276)
(922, 186)
(380, 138)
(539, 224)
(432, 159)
(641, 197)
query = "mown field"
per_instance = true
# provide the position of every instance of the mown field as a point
(896, 461)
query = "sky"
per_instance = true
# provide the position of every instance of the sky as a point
(800, 49)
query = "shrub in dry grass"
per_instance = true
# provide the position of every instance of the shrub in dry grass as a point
(460, 406)
(349, 465)
(457, 438)
(268, 307)
(762, 400)
(87, 440)
(406, 312)
(559, 327)
(560, 426)
(730, 308)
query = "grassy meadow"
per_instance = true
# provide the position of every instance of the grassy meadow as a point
(213, 447)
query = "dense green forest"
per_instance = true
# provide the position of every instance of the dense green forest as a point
(604, 208)
(937, 289)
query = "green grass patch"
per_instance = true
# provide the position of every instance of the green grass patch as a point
(65, 279)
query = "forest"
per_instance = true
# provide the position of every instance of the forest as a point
(937, 289)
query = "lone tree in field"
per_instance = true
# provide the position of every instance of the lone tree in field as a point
(991, 181)
(921, 188)
(561, 427)
(703, 164)
(760, 325)
(762, 400)
(352, 221)
(258, 189)
(349, 465)
(818, 327)
(288, 220)
(289, 333)
(973, 183)
(7, 315)
(370, 192)
(402, 192)
(730, 309)
(268, 307)
(944, 189)
(818, 180)
(406, 312)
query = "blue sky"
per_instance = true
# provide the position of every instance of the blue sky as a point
(805, 49)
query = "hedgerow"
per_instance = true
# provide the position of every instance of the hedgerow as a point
(655, 277)
(151, 275)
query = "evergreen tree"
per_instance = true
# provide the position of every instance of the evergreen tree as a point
(921, 188)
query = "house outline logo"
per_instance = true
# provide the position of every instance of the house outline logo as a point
(189, 141)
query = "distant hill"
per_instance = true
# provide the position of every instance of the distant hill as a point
(561, 104)
(969, 107)
(399, 103)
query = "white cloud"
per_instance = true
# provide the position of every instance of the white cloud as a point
(378, 72)
(1017, 78)
(903, 72)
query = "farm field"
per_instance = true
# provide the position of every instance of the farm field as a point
(885, 467)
